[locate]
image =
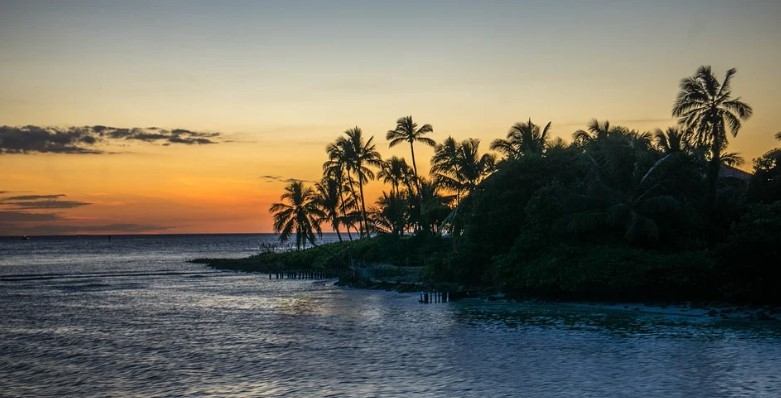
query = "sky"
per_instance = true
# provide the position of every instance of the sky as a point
(190, 116)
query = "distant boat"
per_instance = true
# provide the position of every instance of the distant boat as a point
(25, 237)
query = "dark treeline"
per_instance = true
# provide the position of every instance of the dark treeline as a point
(614, 214)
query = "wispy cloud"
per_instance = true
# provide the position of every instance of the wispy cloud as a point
(83, 140)
(31, 202)
(33, 197)
(46, 204)
(270, 178)
(23, 217)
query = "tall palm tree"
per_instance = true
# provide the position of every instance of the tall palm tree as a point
(360, 155)
(706, 107)
(336, 168)
(523, 139)
(297, 213)
(407, 131)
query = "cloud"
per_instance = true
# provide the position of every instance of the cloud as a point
(29, 202)
(22, 216)
(125, 228)
(14, 221)
(82, 140)
(270, 178)
(33, 197)
(46, 204)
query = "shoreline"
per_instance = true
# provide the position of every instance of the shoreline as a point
(409, 280)
(691, 309)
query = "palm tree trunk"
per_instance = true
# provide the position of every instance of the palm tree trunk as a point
(414, 167)
(713, 176)
(344, 212)
(336, 228)
(352, 190)
(363, 209)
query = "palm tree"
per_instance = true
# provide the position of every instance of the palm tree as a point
(523, 139)
(444, 165)
(706, 107)
(627, 187)
(360, 155)
(297, 213)
(336, 168)
(593, 132)
(390, 215)
(394, 171)
(731, 159)
(458, 166)
(407, 131)
(433, 209)
(328, 200)
(673, 140)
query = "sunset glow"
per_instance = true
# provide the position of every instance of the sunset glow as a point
(259, 89)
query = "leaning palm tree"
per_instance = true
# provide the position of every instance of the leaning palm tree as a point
(297, 213)
(706, 106)
(360, 155)
(523, 139)
(407, 131)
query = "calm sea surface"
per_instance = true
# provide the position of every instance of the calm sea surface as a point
(130, 317)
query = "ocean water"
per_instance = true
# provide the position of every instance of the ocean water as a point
(130, 317)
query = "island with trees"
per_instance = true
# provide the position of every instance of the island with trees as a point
(616, 214)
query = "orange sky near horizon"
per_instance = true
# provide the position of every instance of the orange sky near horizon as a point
(279, 81)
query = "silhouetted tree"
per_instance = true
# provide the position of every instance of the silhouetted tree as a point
(360, 155)
(328, 200)
(459, 166)
(674, 140)
(390, 214)
(706, 107)
(765, 185)
(297, 213)
(523, 139)
(394, 171)
(336, 167)
(407, 131)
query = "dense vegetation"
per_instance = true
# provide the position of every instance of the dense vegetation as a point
(615, 214)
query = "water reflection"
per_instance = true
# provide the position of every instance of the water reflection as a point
(167, 333)
(630, 321)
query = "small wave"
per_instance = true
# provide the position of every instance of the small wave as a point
(124, 274)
